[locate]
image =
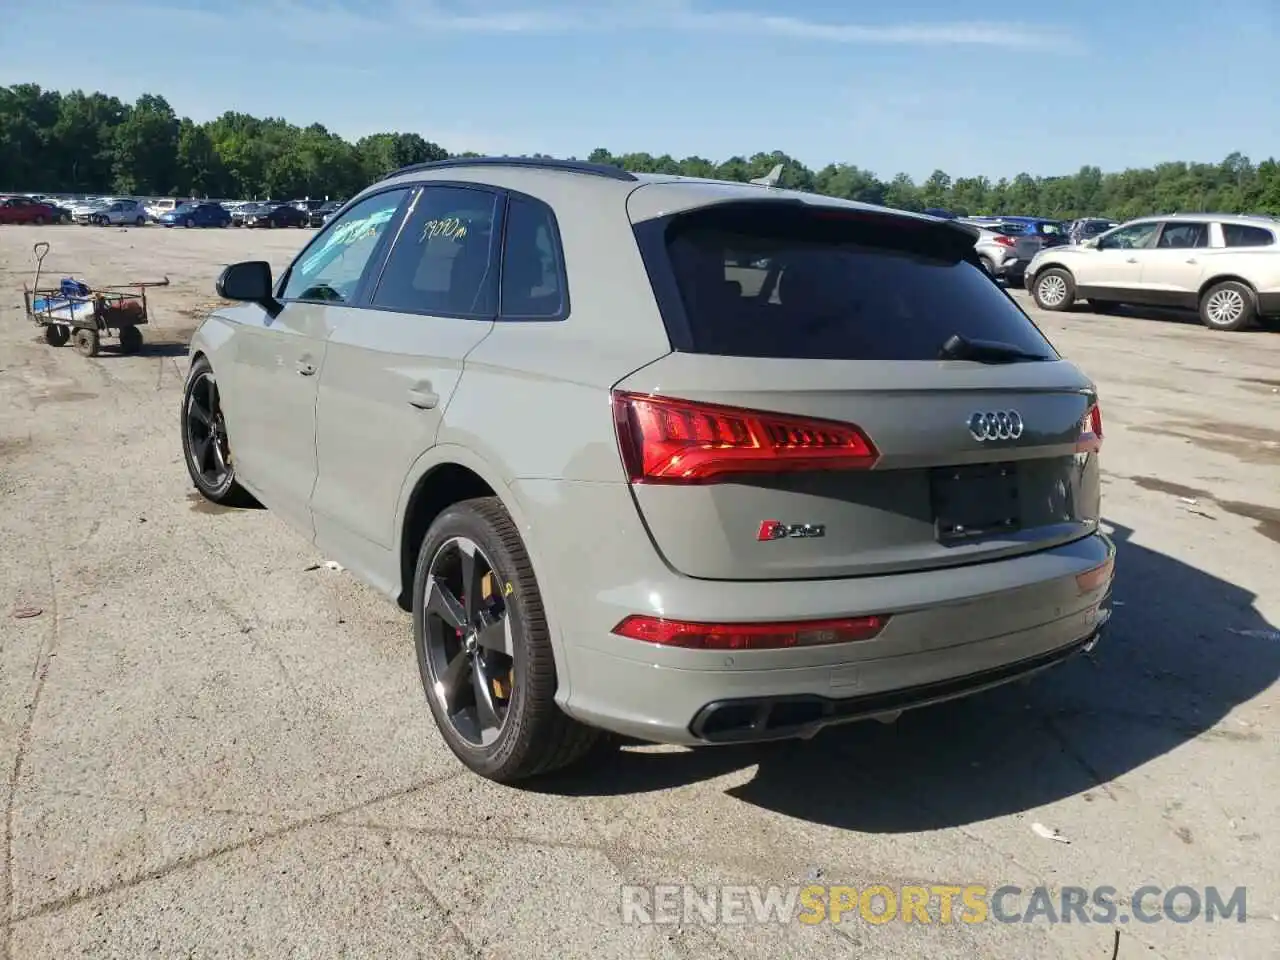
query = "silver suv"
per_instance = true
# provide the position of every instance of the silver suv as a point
(1226, 266)
(693, 461)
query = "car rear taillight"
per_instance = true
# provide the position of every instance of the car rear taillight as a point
(1090, 439)
(663, 440)
(1092, 579)
(749, 636)
(1005, 241)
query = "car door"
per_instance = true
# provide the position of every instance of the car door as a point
(279, 359)
(392, 369)
(1113, 269)
(1173, 268)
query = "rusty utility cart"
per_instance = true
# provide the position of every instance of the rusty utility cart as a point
(84, 315)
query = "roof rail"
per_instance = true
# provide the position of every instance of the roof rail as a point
(536, 163)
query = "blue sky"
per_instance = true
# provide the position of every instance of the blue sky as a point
(973, 88)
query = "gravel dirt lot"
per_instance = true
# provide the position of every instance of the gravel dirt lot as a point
(213, 748)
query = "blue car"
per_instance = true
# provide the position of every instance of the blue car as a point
(197, 215)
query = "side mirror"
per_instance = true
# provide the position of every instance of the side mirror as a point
(248, 282)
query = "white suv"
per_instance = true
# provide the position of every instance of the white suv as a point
(1226, 266)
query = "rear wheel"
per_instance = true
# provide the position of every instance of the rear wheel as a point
(188, 223)
(1228, 305)
(206, 445)
(130, 339)
(38, 220)
(56, 335)
(484, 649)
(1054, 289)
(140, 222)
(987, 265)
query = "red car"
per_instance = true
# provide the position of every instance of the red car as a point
(26, 210)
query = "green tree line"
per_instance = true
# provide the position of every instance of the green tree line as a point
(81, 142)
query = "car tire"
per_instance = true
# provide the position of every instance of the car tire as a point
(532, 735)
(86, 342)
(188, 223)
(140, 222)
(130, 340)
(1229, 305)
(200, 396)
(987, 265)
(1054, 289)
(38, 220)
(56, 335)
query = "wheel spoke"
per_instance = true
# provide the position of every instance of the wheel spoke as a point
(442, 602)
(472, 580)
(200, 413)
(495, 635)
(219, 460)
(201, 451)
(454, 681)
(486, 715)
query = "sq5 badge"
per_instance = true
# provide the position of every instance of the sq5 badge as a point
(777, 530)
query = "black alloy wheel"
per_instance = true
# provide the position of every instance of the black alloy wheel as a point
(469, 649)
(206, 444)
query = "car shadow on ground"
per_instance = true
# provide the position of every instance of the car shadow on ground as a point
(1183, 649)
(1189, 318)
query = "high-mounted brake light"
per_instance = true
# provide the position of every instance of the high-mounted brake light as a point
(663, 440)
(1090, 439)
(749, 636)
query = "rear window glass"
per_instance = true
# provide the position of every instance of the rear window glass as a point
(1238, 235)
(764, 283)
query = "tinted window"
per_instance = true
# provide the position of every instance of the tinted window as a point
(1183, 236)
(532, 278)
(1237, 235)
(331, 267)
(442, 262)
(1129, 238)
(830, 285)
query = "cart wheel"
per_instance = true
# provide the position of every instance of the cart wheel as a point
(86, 342)
(56, 336)
(130, 339)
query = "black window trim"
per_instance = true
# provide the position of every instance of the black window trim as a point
(377, 257)
(561, 266)
(417, 189)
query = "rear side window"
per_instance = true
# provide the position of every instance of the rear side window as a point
(767, 282)
(1183, 236)
(1237, 235)
(532, 271)
(443, 261)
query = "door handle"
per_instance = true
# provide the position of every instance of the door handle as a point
(306, 368)
(423, 397)
(1131, 260)
(1192, 260)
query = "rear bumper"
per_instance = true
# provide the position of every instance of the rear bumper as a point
(952, 632)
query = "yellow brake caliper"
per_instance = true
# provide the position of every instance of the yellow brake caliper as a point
(502, 685)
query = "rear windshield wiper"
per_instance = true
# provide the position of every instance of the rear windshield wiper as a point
(959, 347)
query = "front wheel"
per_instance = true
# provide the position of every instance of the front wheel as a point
(206, 446)
(56, 335)
(1229, 305)
(86, 342)
(130, 340)
(1054, 289)
(484, 649)
(188, 223)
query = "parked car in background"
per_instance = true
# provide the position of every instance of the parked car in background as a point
(114, 212)
(26, 210)
(1004, 251)
(61, 210)
(320, 216)
(198, 214)
(1086, 228)
(158, 208)
(277, 214)
(933, 482)
(1226, 266)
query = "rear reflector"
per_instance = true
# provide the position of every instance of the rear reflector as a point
(1090, 440)
(663, 440)
(1091, 580)
(749, 636)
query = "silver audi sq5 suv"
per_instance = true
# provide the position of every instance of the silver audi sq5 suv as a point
(691, 461)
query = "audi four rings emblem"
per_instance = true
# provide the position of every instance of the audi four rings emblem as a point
(995, 425)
